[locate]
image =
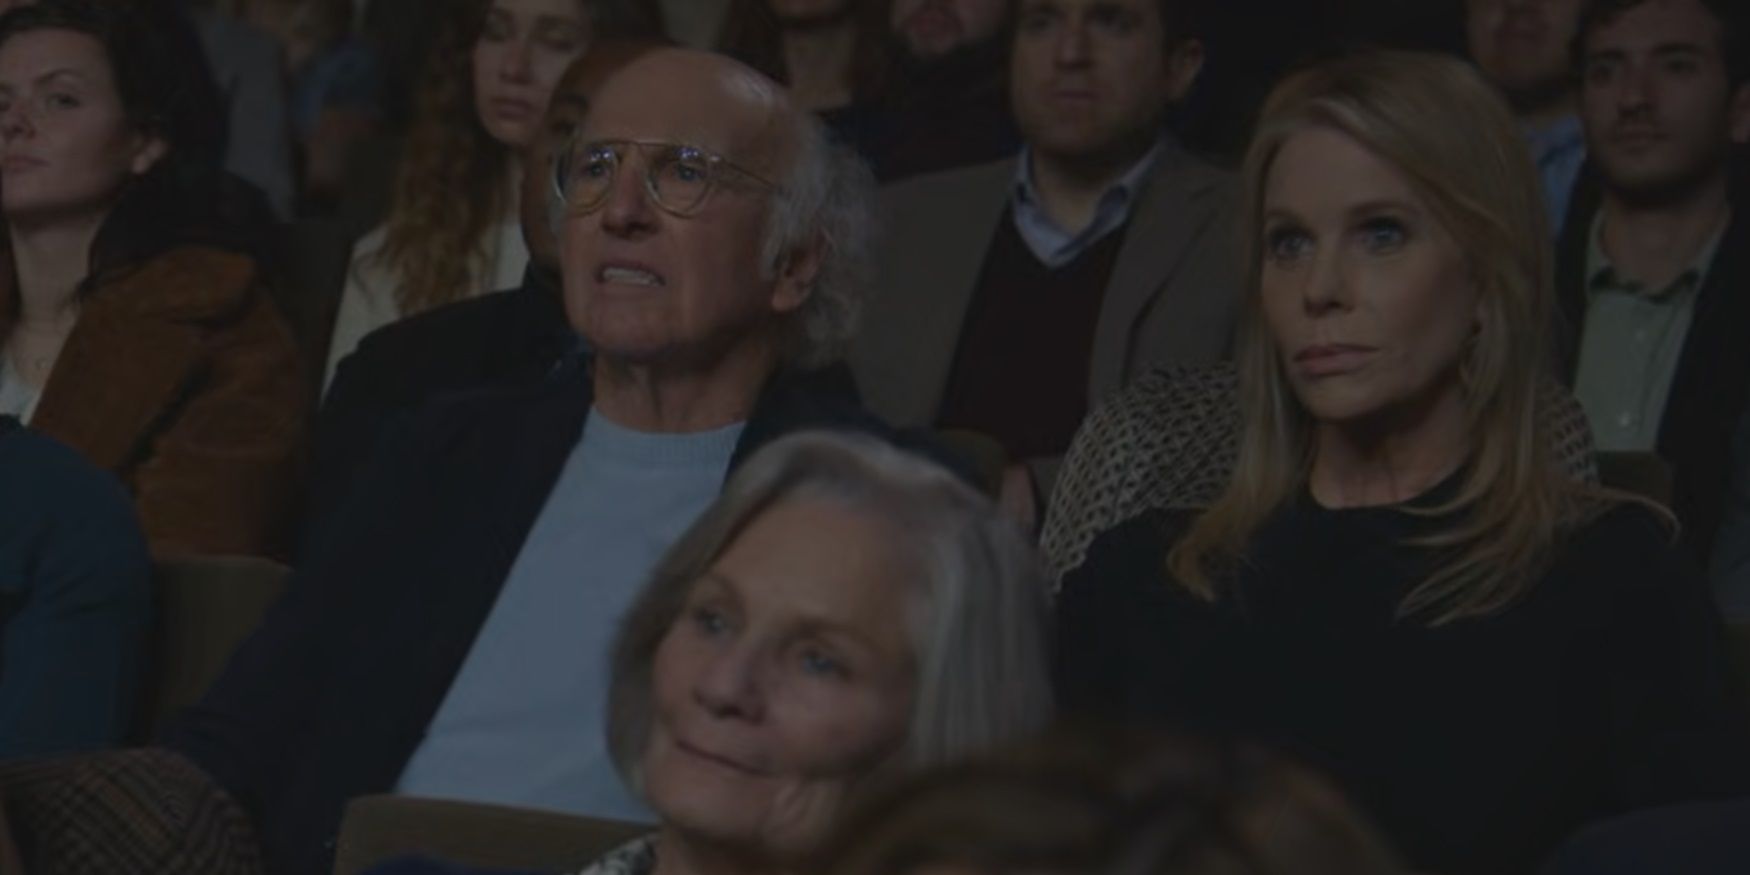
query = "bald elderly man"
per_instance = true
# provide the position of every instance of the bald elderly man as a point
(447, 635)
(507, 338)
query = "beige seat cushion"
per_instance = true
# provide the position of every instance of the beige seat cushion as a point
(206, 606)
(379, 828)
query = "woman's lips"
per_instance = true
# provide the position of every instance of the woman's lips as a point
(723, 761)
(512, 109)
(1331, 359)
(19, 163)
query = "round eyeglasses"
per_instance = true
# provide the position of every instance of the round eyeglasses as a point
(678, 177)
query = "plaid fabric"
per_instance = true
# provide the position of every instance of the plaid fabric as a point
(140, 811)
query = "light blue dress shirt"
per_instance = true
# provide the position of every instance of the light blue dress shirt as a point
(1055, 245)
(1558, 149)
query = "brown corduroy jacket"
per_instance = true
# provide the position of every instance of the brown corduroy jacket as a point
(182, 379)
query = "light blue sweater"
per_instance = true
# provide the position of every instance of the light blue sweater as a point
(523, 722)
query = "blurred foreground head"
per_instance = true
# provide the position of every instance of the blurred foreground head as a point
(1112, 803)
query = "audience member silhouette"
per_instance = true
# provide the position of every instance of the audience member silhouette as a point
(507, 338)
(832, 621)
(1652, 284)
(947, 102)
(1014, 295)
(1104, 802)
(831, 54)
(1524, 48)
(502, 530)
(334, 88)
(133, 317)
(1400, 583)
(75, 599)
(452, 231)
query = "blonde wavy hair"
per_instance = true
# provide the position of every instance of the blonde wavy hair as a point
(1436, 121)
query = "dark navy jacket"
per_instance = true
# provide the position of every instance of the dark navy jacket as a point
(75, 599)
(332, 694)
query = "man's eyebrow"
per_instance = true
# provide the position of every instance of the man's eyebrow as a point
(1668, 49)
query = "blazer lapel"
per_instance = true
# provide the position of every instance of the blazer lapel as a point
(118, 373)
(1168, 216)
(500, 474)
(936, 239)
(138, 345)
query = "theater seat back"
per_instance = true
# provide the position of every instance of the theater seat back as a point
(206, 606)
(376, 829)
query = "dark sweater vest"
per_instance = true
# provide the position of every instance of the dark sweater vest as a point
(1021, 370)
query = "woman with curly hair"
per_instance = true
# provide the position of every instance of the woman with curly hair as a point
(452, 230)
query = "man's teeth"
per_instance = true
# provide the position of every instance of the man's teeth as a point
(631, 276)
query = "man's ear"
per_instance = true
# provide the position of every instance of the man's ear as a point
(796, 275)
(1738, 116)
(1184, 62)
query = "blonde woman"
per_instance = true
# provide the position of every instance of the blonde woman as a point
(1400, 583)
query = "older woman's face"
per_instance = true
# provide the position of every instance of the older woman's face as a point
(788, 675)
(66, 146)
(1368, 298)
(522, 51)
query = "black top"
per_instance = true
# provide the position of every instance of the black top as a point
(1476, 746)
(504, 339)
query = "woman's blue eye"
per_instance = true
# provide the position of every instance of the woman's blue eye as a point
(1287, 244)
(818, 663)
(1384, 235)
(710, 622)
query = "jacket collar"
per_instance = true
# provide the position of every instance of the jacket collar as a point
(137, 344)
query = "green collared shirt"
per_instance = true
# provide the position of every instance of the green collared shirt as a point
(1631, 343)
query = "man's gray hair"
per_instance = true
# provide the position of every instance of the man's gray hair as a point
(825, 198)
(980, 606)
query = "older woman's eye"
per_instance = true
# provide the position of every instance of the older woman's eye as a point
(709, 621)
(1384, 234)
(818, 662)
(563, 43)
(1286, 244)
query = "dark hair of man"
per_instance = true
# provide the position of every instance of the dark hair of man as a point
(166, 91)
(1180, 20)
(1728, 14)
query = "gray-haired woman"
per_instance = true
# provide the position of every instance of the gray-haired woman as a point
(845, 611)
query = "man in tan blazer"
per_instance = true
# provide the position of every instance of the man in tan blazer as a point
(1013, 296)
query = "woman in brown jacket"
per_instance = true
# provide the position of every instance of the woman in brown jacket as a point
(134, 325)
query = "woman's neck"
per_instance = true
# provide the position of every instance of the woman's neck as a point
(678, 853)
(817, 62)
(1390, 458)
(50, 261)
